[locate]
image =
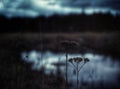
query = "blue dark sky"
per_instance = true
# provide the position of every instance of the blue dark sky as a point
(35, 8)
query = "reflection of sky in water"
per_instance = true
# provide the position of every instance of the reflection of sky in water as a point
(100, 68)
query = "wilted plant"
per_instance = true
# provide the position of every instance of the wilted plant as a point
(76, 62)
(67, 45)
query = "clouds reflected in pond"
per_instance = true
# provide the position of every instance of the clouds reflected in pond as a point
(100, 68)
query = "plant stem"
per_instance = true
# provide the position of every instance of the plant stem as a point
(77, 75)
(66, 70)
(74, 65)
(81, 67)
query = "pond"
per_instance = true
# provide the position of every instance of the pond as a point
(100, 68)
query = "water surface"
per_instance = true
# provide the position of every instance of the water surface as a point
(100, 68)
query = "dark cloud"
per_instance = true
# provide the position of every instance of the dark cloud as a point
(50, 7)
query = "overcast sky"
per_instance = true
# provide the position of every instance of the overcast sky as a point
(35, 8)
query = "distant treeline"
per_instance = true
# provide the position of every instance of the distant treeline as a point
(57, 23)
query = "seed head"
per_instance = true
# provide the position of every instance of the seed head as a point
(86, 60)
(70, 60)
(78, 59)
(69, 44)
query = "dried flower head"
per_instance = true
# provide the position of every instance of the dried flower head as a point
(74, 43)
(78, 59)
(69, 44)
(86, 60)
(65, 43)
(70, 60)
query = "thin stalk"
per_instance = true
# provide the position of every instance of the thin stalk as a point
(41, 58)
(74, 65)
(77, 75)
(66, 70)
(81, 67)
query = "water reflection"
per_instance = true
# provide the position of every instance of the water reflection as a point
(100, 68)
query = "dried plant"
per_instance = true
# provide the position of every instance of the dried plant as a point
(68, 45)
(76, 62)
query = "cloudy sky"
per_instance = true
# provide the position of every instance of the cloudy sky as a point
(35, 8)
